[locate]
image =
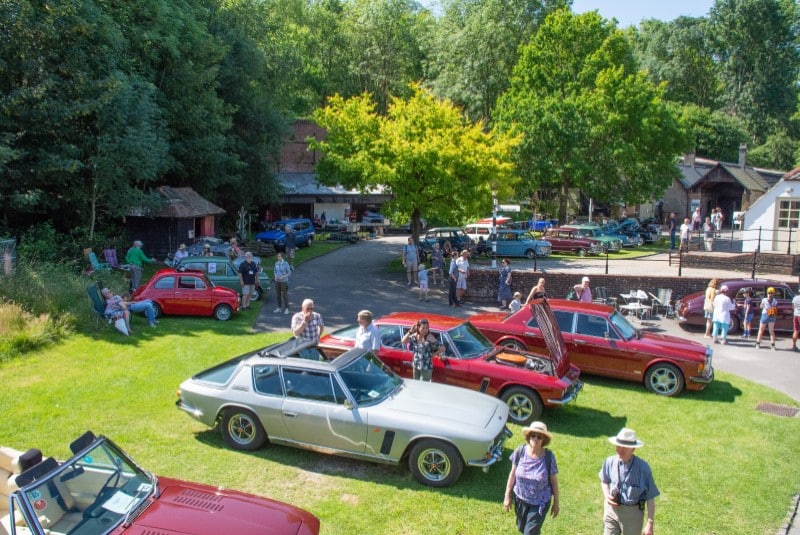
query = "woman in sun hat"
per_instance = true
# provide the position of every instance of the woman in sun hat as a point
(628, 485)
(533, 480)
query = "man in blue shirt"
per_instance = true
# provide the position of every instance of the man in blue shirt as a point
(628, 486)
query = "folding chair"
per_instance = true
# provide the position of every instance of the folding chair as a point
(603, 297)
(111, 257)
(98, 307)
(97, 266)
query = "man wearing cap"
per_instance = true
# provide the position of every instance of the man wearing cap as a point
(248, 278)
(628, 485)
(180, 254)
(582, 291)
(136, 258)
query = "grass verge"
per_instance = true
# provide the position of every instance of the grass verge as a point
(722, 466)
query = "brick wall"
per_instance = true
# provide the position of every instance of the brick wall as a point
(765, 262)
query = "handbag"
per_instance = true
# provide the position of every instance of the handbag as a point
(572, 296)
(708, 305)
(121, 326)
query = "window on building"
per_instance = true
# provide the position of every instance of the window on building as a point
(789, 214)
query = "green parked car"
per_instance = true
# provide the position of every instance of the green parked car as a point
(222, 272)
(610, 243)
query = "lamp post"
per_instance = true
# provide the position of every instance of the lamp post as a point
(494, 224)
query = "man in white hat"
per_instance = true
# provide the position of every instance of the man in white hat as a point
(583, 292)
(628, 486)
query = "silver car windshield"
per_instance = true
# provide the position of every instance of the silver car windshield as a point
(368, 380)
(626, 330)
(469, 342)
(102, 485)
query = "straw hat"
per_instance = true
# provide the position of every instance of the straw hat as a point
(536, 427)
(626, 438)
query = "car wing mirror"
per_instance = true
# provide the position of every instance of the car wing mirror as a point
(348, 405)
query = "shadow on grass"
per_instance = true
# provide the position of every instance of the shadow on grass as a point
(473, 483)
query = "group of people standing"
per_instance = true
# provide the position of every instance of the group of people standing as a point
(626, 480)
(710, 228)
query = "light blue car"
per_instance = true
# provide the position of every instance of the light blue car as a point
(519, 243)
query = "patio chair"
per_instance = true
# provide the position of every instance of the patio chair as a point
(602, 297)
(98, 307)
(663, 302)
(96, 265)
(110, 255)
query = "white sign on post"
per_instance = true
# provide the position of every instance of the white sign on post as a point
(508, 207)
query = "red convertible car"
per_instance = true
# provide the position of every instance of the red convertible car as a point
(188, 293)
(526, 381)
(600, 341)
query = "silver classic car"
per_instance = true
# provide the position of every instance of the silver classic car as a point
(352, 405)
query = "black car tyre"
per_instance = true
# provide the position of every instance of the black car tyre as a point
(581, 252)
(530, 253)
(664, 379)
(256, 294)
(524, 405)
(513, 344)
(435, 463)
(736, 324)
(241, 430)
(223, 312)
(157, 309)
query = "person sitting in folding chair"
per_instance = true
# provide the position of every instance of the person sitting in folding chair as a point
(120, 308)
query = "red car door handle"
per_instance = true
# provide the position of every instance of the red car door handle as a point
(579, 341)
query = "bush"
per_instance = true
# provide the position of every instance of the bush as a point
(21, 331)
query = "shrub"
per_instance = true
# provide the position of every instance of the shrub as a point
(21, 331)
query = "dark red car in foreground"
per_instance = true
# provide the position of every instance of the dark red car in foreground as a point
(600, 341)
(690, 308)
(188, 293)
(526, 381)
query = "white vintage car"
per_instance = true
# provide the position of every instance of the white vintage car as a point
(351, 405)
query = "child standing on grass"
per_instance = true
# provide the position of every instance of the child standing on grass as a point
(422, 274)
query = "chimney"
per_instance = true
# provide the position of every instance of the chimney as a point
(688, 158)
(742, 155)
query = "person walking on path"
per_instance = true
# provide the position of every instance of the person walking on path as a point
(281, 273)
(795, 320)
(673, 229)
(462, 266)
(437, 263)
(721, 317)
(291, 244)
(697, 220)
(582, 291)
(533, 480)
(708, 305)
(708, 234)
(425, 345)
(628, 488)
(248, 279)
(747, 313)
(452, 278)
(136, 258)
(307, 324)
(411, 261)
(422, 275)
(769, 314)
(686, 234)
(504, 288)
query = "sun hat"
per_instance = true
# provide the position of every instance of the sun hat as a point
(182, 247)
(536, 427)
(626, 438)
(585, 279)
(723, 288)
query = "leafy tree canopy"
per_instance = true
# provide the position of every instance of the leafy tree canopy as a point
(423, 151)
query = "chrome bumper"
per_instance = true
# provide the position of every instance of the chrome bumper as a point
(570, 394)
(495, 452)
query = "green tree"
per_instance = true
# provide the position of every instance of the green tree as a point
(680, 53)
(713, 134)
(757, 47)
(475, 48)
(422, 151)
(589, 119)
(779, 151)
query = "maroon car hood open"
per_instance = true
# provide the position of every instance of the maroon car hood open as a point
(181, 508)
(548, 325)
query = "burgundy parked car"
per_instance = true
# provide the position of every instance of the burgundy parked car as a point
(570, 240)
(600, 341)
(188, 293)
(690, 308)
(526, 381)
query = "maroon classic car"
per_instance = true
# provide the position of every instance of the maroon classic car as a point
(600, 341)
(526, 381)
(570, 240)
(188, 293)
(690, 308)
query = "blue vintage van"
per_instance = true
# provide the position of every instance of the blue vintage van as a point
(275, 234)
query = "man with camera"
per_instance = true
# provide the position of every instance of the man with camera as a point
(628, 487)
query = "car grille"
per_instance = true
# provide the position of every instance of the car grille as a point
(545, 251)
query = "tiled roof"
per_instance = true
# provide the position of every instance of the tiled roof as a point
(751, 178)
(180, 203)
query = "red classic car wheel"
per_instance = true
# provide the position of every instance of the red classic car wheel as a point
(524, 405)
(223, 312)
(664, 379)
(514, 344)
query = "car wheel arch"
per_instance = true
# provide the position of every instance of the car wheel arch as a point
(512, 342)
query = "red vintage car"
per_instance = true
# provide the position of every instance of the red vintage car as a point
(600, 341)
(570, 240)
(526, 381)
(188, 293)
(690, 308)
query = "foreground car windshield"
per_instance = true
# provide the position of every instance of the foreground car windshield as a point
(469, 341)
(111, 488)
(369, 380)
(627, 330)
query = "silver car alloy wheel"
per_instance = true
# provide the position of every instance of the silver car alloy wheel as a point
(433, 464)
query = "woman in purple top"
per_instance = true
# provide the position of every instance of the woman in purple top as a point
(582, 291)
(533, 480)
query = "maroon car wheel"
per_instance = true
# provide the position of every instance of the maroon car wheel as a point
(524, 405)
(664, 379)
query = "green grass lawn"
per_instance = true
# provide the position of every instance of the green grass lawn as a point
(722, 466)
